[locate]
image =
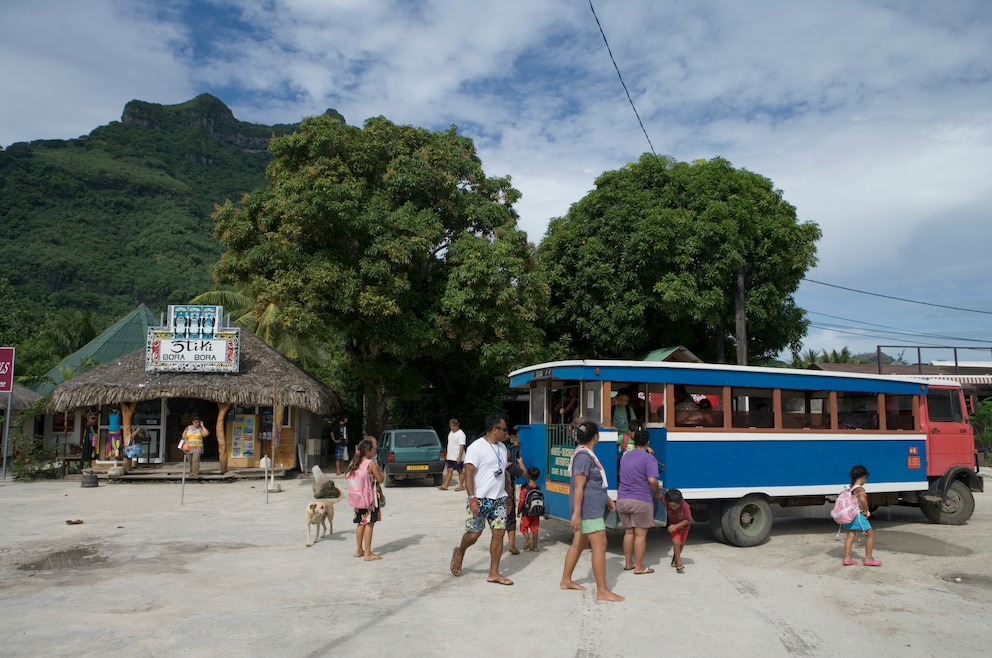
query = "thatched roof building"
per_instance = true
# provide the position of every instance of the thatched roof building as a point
(23, 397)
(264, 374)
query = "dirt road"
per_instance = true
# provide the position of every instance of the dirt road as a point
(226, 573)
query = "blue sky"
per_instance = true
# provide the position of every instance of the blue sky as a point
(874, 118)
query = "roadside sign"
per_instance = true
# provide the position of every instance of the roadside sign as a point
(6, 369)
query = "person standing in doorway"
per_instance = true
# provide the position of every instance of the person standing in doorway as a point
(485, 484)
(90, 437)
(454, 455)
(115, 433)
(193, 437)
(340, 434)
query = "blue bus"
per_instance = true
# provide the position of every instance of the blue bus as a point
(737, 439)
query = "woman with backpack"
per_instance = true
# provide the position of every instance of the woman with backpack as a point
(363, 476)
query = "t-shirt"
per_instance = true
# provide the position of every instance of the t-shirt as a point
(636, 467)
(622, 417)
(594, 495)
(456, 440)
(487, 459)
(678, 515)
(340, 432)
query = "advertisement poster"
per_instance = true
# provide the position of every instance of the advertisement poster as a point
(237, 431)
(248, 434)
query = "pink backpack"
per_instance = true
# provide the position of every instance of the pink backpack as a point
(361, 493)
(846, 509)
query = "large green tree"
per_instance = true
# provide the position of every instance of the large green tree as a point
(664, 252)
(394, 238)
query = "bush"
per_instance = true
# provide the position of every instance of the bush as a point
(32, 459)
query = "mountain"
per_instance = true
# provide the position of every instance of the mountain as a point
(121, 216)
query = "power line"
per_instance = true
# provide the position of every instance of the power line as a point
(897, 330)
(899, 299)
(864, 334)
(622, 83)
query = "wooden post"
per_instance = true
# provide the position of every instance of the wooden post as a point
(221, 436)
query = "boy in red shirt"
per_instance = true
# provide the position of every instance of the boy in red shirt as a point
(679, 519)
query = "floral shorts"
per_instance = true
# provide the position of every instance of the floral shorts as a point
(492, 510)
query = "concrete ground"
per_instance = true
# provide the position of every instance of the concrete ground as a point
(226, 573)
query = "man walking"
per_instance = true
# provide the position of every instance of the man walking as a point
(340, 434)
(485, 484)
(454, 455)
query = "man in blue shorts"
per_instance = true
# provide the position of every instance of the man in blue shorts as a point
(340, 434)
(485, 484)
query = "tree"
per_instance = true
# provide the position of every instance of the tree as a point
(665, 252)
(393, 238)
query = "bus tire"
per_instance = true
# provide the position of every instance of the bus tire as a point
(957, 510)
(746, 521)
(716, 522)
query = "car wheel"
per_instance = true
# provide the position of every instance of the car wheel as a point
(746, 521)
(387, 477)
(716, 521)
(438, 479)
(959, 508)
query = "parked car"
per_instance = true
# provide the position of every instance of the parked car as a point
(410, 453)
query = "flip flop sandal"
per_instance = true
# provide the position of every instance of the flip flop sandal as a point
(872, 563)
(850, 563)
(641, 573)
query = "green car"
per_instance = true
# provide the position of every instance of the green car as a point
(411, 453)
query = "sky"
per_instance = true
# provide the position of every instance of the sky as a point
(874, 118)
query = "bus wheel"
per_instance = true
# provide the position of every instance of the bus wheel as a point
(746, 521)
(716, 521)
(958, 509)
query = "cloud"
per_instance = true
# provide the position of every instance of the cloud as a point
(872, 118)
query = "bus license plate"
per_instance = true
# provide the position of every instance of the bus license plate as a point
(416, 467)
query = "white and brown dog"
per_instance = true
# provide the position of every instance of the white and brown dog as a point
(321, 514)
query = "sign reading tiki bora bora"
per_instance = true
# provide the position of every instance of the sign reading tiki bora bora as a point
(194, 341)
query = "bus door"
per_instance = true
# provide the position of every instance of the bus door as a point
(950, 437)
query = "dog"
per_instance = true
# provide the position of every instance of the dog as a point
(321, 514)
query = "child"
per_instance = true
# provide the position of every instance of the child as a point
(679, 519)
(858, 476)
(529, 525)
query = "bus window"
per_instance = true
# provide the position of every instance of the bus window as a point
(857, 411)
(805, 409)
(590, 402)
(753, 407)
(538, 405)
(698, 406)
(944, 406)
(899, 412)
(655, 404)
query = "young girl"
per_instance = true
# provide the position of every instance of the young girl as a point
(858, 476)
(363, 466)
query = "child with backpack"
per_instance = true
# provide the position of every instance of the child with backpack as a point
(856, 493)
(531, 508)
(363, 475)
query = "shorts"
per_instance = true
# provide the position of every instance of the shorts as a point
(511, 515)
(635, 513)
(590, 526)
(457, 466)
(341, 452)
(367, 516)
(530, 524)
(680, 535)
(859, 523)
(491, 510)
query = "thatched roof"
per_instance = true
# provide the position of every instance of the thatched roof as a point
(23, 397)
(264, 373)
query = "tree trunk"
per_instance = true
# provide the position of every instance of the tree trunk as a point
(721, 342)
(375, 410)
(221, 435)
(741, 319)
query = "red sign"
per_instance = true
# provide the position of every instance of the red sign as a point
(6, 369)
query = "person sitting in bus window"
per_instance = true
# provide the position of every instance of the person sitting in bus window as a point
(624, 415)
(687, 412)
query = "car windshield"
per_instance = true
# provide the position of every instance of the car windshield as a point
(425, 439)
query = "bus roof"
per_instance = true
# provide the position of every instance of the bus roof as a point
(714, 374)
